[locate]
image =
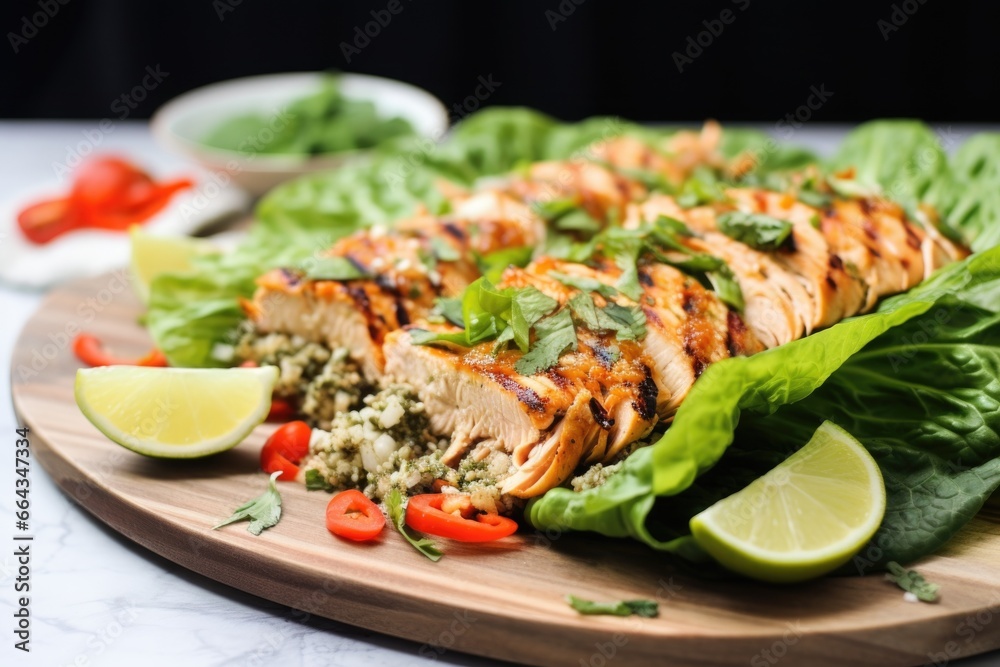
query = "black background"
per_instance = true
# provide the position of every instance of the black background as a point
(604, 58)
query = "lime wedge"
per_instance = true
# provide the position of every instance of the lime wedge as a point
(153, 255)
(802, 519)
(175, 413)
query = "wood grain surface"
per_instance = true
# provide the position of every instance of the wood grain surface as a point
(503, 600)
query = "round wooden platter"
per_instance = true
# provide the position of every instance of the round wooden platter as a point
(503, 600)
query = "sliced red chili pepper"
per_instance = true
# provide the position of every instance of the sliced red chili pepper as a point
(90, 351)
(285, 449)
(451, 515)
(350, 514)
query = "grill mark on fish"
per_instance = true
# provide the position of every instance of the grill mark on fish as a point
(525, 395)
(831, 282)
(557, 379)
(291, 279)
(866, 206)
(646, 279)
(652, 317)
(604, 356)
(645, 402)
(601, 415)
(356, 263)
(912, 239)
(869, 229)
(364, 304)
(455, 231)
(836, 263)
(736, 331)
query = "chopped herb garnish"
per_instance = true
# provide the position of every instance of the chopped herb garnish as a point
(316, 482)
(643, 608)
(335, 268)
(584, 284)
(554, 208)
(443, 251)
(813, 198)
(627, 323)
(701, 188)
(397, 515)
(450, 308)
(263, 511)
(912, 581)
(848, 187)
(528, 307)
(555, 334)
(493, 264)
(755, 229)
(578, 220)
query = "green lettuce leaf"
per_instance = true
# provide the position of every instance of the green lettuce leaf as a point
(926, 405)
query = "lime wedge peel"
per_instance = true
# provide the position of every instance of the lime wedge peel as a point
(804, 518)
(175, 412)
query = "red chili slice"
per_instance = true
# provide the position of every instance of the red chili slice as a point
(285, 449)
(452, 515)
(90, 351)
(351, 515)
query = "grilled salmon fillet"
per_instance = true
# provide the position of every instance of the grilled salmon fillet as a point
(554, 421)
(407, 276)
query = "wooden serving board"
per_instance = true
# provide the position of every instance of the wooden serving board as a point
(503, 600)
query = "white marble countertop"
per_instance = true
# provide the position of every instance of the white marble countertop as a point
(99, 599)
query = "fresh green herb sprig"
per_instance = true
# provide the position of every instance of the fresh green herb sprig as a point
(397, 515)
(643, 608)
(912, 581)
(263, 511)
(756, 230)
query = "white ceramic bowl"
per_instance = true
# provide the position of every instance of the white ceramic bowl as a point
(179, 124)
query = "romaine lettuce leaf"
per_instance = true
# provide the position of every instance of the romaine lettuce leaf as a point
(770, 404)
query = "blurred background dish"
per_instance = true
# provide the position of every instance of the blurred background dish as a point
(275, 112)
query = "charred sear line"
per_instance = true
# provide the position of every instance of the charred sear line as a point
(558, 379)
(455, 231)
(698, 363)
(869, 229)
(831, 283)
(866, 206)
(525, 395)
(601, 415)
(736, 331)
(387, 284)
(645, 402)
(290, 277)
(836, 263)
(653, 318)
(356, 263)
(646, 279)
(402, 317)
(912, 239)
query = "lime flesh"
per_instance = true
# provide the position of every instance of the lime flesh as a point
(175, 412)
(153, 255)
(804, 518)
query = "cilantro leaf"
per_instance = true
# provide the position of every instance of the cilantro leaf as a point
(554, 208)
(450, 309)
(528, 307)
(335, 268)
(755, 229)
(316, 482)
(555, 334)
(643, 608)
(627, 323)
(912, 581)
(443, 251)
(578, 220)
(701, 188)
(492, 265)
(397, 515)
(584, 284)
(263, 511)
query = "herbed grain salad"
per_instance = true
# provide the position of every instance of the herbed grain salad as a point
(610, 328)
